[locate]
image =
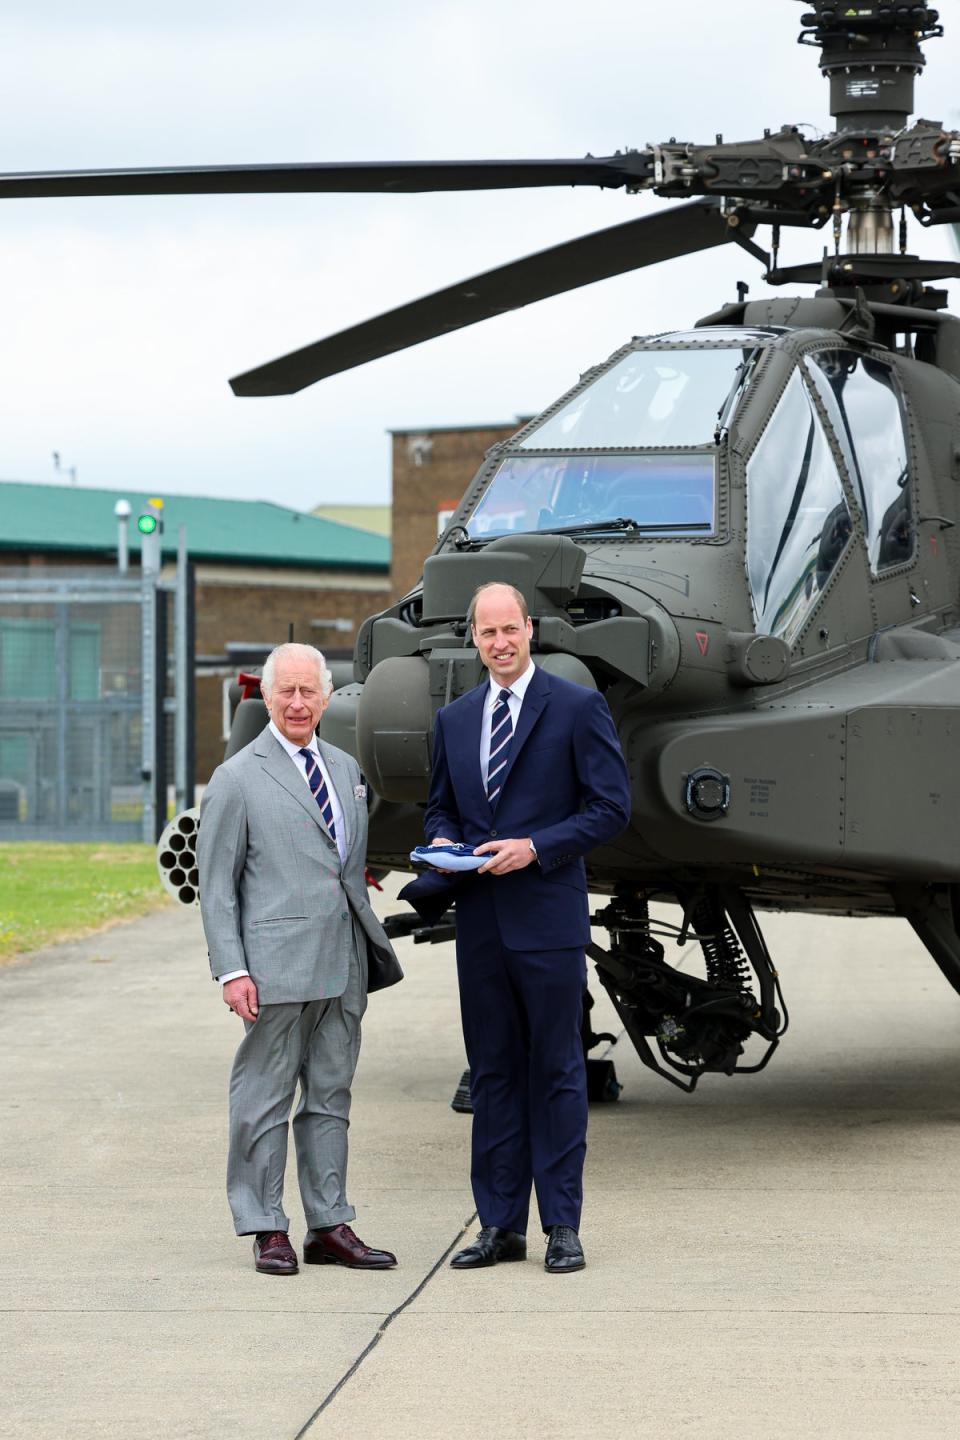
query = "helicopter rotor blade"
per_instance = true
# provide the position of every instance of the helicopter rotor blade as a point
(682, 230)
(374, 177)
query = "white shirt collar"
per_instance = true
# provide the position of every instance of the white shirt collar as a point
(291, 747)
(519, 686)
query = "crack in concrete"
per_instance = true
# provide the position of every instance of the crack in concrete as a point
(382, 1328)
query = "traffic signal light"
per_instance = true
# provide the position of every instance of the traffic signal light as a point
(150, 526)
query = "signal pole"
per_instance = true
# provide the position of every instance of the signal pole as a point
(154, 653)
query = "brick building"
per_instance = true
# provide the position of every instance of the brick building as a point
(261, 569)
(431, 470)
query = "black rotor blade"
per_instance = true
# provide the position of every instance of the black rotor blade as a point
(344, 177)
(679, 231)
(847, 270)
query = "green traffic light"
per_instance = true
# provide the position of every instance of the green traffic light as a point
(146, 524)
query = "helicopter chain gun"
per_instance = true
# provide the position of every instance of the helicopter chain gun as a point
(743, 533)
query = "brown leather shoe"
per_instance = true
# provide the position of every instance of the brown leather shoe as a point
(340, 1246)
(273, 1254)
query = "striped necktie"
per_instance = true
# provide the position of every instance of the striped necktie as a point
(501, 734)
(318, 789)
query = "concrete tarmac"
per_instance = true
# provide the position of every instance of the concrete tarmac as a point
(775, 1256)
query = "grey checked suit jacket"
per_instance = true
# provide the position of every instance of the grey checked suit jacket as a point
(274, 897)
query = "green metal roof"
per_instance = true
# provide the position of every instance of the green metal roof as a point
(73, 519)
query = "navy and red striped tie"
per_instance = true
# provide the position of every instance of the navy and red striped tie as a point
(318, 788)
(501, 735)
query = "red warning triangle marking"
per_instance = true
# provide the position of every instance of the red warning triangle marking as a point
(702, 639)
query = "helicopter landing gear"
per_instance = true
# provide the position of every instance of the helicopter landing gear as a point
(697, 1025)
(602, 1082)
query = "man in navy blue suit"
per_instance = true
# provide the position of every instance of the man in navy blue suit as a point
(528, 770)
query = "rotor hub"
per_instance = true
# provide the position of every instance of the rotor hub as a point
(870, 226)
(871, 55)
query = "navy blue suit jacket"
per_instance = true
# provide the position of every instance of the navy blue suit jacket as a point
(566, 787)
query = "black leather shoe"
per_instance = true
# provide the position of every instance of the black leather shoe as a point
(564, 1251)
(490, 1247)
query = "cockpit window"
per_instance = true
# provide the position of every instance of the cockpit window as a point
(861, 401)
(798, 522)
(649, 399)
(663, 494)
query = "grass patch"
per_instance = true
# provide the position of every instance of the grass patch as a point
(51, 892)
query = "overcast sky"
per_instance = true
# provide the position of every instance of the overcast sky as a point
(121, 320)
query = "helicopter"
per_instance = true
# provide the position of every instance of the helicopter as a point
(741, 533)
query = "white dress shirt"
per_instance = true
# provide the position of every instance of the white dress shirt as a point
(517, 691)
(293, 750)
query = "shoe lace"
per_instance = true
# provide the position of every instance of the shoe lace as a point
(561, 1235)
(269, 1239)
(345, 1232)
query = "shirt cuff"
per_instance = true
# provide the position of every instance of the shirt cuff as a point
(230, 975)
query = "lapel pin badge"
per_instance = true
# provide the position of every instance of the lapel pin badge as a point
(359, 792)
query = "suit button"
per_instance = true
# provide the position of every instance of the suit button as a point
(493, 834)
(343, 914)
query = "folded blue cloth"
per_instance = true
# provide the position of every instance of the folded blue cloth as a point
(448, 857)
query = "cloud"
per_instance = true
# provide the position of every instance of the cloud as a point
(121, 320)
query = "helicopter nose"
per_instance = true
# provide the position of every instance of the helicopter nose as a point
(641, 647)
(393, 712)
(394, 721)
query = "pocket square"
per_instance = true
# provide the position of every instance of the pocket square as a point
(359, 792)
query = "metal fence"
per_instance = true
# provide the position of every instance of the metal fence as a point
(77, 700)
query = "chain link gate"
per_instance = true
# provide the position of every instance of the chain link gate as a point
(83, 662)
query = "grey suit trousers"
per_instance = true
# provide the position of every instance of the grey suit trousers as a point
(315, 1043)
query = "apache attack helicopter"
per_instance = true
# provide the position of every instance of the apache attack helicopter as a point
(742, 534)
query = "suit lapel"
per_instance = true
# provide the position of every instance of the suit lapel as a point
(467, 743)
(283, 768)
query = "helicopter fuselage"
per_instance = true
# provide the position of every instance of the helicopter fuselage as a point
(760, 571)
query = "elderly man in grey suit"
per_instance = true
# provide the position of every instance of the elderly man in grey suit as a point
(296, 946)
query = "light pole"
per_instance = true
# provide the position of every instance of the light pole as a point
(122, 512)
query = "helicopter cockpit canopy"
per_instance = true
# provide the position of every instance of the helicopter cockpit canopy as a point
(609, 453)
(798, 516)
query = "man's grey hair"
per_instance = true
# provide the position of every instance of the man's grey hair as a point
(499, 585)
(296, 652)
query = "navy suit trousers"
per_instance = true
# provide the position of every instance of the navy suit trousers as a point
(521, 1015)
